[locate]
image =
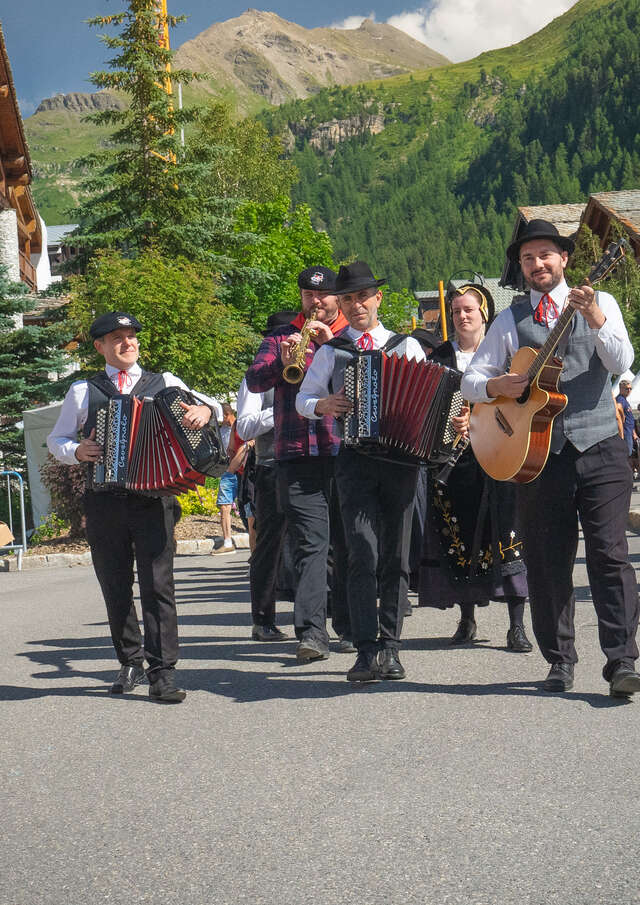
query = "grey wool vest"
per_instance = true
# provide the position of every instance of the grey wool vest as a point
(590, 413)
(264, 443)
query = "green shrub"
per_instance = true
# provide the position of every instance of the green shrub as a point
(53, 526)
(201, 501)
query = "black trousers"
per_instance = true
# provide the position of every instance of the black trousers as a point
(376, 501)
(306, 490)
(271, 527)
(120, 527)
(594, 486)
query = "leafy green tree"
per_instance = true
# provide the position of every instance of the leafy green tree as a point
(288, 243)
(186, 329)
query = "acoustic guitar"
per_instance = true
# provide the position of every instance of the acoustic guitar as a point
(511, 438)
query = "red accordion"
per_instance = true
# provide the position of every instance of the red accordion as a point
(401, 407)
(146, 448)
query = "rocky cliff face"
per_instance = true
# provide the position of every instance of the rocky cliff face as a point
(261, 54)
(79, 102)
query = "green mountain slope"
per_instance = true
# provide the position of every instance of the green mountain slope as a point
(545, 121)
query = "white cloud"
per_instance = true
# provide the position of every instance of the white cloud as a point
(27, 107)
(353, 21)
(461, 29)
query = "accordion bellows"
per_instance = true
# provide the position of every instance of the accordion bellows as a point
(401, 406)
(146, 448)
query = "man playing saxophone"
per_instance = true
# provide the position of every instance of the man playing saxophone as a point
(304, 453)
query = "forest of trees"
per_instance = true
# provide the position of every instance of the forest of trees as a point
(420, 209)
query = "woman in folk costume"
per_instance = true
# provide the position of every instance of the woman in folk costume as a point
(471, 551)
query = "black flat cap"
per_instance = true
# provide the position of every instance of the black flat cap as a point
(113, 320)
(539, 229)
(356, 276)
(322, 278)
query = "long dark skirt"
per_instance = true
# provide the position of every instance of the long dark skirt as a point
(471, 552)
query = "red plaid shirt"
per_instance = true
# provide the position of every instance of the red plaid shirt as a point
(294, 436)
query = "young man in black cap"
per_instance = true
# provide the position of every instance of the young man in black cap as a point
(586, 475)
(121, 524)
(305, 455)
(376, 496)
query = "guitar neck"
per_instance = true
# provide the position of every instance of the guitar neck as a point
(553, 339)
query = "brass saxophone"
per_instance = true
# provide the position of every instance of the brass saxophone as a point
(294, 372)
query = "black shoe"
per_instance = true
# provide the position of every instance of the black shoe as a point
(517, 640)
(625, 681)
(128, 678)
(345, 645)
(465, 632)
(390, 665)
(309, 649)
(165, 691)
(408, 611)
(267, 633)
(560, 677)
(365, 669)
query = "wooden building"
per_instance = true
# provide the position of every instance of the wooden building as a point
(599, 214)
(21, 238)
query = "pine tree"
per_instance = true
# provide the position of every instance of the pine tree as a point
(30, 359)
(143, 190)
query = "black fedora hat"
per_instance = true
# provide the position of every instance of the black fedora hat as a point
(279, 319)
(487, 305)
(539, 229)
(354, 277)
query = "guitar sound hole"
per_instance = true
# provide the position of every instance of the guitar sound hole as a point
(522, 399)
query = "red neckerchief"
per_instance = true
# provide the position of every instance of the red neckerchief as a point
(541, 314)
(339, 323)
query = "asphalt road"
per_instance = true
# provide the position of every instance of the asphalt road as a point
(282, 784)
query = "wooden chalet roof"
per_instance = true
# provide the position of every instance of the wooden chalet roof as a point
(603, 207)
(16, 172)
(13, 144)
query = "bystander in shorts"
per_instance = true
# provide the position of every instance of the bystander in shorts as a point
(228, 489)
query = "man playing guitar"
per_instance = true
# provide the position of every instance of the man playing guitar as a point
(586, 475)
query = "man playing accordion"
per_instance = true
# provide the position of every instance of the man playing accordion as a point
(376, 496)
(122, 523)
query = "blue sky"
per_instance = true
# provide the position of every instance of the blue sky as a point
(52, 50)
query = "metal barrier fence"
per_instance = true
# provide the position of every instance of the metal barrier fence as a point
(20, 549)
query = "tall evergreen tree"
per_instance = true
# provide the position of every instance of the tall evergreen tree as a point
(30, 359)
(143, 190)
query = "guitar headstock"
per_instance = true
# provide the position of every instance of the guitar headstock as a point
(609, 261)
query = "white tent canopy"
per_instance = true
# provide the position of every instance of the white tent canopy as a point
(38, 423)
(634, 396)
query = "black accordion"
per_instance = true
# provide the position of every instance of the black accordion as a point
(147, 450)
(402, 408)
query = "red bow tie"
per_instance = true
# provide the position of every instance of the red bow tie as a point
(365, 342)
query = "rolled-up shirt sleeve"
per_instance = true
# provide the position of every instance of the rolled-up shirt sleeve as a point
(316, 382)
(612, 340)
(496, 349)
(62, 442)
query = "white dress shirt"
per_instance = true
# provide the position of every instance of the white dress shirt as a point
(63, 439)
(501, 342)
(253, 420)
(316, 381)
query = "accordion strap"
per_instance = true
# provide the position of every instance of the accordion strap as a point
(342, 342)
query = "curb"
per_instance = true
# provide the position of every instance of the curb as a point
(196, 547)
